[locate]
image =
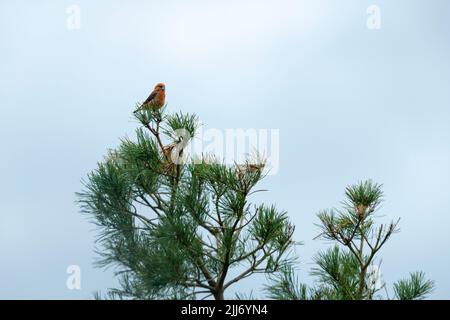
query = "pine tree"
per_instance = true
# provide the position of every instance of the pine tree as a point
(174, 228)
(348, 270)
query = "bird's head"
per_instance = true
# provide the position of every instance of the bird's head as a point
(160, 86)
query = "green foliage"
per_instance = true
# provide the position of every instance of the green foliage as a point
(148, 116)
(179, 125)
(367, 194)
(337, 272)
(243, 296)
(341, 272)
(286, 286)
(414, 288)
(176, 229)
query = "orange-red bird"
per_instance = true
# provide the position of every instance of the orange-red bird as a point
(156, 99)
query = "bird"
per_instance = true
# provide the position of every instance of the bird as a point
(156, 99)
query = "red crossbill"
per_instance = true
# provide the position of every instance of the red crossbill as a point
(156, 99)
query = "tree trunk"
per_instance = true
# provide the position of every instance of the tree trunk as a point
(362, 282)
(362, 271)
(218, 294)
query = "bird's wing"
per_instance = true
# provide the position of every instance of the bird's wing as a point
(150, 97)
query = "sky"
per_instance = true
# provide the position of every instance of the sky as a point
(352, 100)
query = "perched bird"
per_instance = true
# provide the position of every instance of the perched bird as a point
(156, 99)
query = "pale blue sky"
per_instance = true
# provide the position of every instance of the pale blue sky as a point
(351, 103)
